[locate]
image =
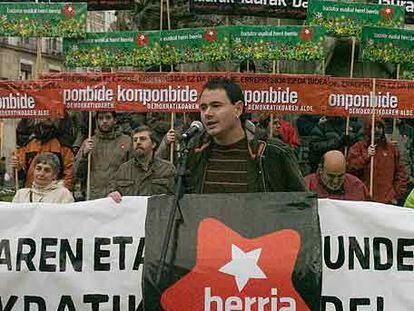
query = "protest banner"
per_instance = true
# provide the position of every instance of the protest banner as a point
(282, 93)
(94, 5)
(210, 44)
(89, 255)
(43, 20)
(80, 256)
(295, 9)
(387, 45)
(30, 99)
(140, 49)
(223, 243)
(367, 256)
(277, 42)
(408, 6)
(346, 19)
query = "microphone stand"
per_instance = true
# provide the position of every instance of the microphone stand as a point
(179, 192)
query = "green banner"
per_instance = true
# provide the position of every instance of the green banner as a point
(387, 45)
(195, 45)
(114, 49)
(43, 20)
(277, 42)
(346, 19)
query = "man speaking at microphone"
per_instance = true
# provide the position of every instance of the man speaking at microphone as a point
(231, 157)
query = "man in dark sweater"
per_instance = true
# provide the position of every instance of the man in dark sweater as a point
(231, 157)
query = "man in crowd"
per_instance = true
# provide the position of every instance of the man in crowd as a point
(390, 178)
(143, 174)
(232, 158)
(46, 138)
(331, 180)
(109, 148)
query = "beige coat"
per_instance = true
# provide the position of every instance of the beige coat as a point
(53, 193)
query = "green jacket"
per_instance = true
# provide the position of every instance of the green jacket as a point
(409, 202)
(133, 178)
(272, 166)
(110, 151)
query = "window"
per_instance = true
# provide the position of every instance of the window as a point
(26, 72)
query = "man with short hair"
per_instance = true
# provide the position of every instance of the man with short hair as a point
(109, 148)
(233, 158)
(143, 174)
(331, 180)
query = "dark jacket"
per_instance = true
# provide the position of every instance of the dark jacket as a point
(272, 166)
(133, 178)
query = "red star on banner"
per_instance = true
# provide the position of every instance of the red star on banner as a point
(235, 273)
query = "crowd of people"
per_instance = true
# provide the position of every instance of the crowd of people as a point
(129, 154)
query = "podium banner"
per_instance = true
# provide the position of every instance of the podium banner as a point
(255, 251)
(81, 256)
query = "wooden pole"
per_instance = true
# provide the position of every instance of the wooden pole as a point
(271, 114)
(39, 61)
(371, 175)
(394, 121)
(351, 75)
(88, 176)
(172, 146)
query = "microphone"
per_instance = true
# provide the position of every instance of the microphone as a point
(195, 128)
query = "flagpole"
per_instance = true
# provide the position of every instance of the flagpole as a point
(351, 75)
(371, 175)
(88, 176)
(394, 120)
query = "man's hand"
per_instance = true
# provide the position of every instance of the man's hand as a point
(87, 146)
(116, 196)
(170, 138)
(371, 150)
(14, 162)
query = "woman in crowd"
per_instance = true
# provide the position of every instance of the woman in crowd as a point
(45, 187)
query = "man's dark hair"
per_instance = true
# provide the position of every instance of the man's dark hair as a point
(145, 128)
(232, 88)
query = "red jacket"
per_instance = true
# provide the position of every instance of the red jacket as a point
(390, 178)
(353, 189)
(288, 134)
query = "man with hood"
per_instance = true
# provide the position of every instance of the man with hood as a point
(390, 177)
(109, 148)
(232, 157)
(46, 138)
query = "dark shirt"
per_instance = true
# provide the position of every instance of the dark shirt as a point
(226, 170)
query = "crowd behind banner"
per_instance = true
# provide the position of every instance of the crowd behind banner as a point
(107, 159)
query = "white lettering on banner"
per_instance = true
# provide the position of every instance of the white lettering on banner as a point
(409, 5)
(168, 95)
(17, 101)
(363, 100)
(271, 96)
(70, 257)
(248, 303)
(368, 256)
(88, 94)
